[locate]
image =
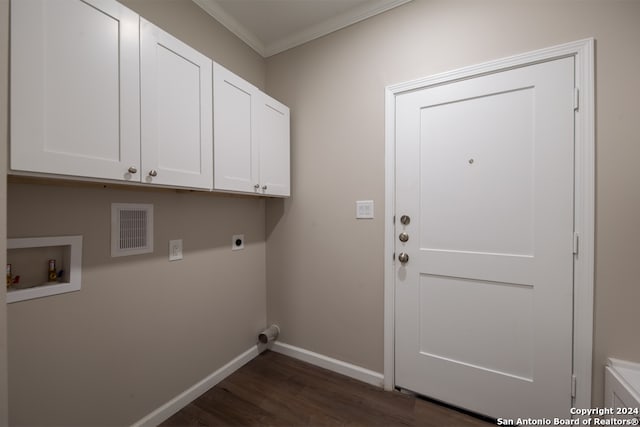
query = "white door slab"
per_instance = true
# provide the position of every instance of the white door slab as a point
(484, 170)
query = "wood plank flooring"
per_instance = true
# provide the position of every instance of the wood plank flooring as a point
(276, 390)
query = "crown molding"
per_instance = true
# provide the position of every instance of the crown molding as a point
(350, 17)
(336, 23)
(213, 8)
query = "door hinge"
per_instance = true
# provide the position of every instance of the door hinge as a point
(576, 99)
(576, 242)
(573, 386)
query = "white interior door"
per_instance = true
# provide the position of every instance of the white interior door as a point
(484, 303)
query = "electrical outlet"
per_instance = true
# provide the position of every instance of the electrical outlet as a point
(237, 242)
(175, 250)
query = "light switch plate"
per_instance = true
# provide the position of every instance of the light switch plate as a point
(175, 250)
(364, 209)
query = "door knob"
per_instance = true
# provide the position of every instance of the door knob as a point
(403, 237)
(153, 172)
(403, 257)
(405, 219)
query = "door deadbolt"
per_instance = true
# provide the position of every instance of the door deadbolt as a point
(405, 220)
(403, 257)
(403, 237)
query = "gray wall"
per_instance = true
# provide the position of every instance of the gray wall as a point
(4, 45)
(141, 330)
(324, 268)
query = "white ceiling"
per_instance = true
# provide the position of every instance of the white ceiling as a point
(273, 26)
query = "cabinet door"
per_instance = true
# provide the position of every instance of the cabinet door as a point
(235, 149)
(273, 136)
(75, 88)
(176, 97)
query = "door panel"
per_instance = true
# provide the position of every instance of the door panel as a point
(75, 97)
(497, 192)
(236, 165)
(274, 147)
(177, 122)
(478, 333)
(484, 304)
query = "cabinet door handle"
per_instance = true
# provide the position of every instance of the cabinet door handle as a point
(133, 169)
(264, 187)
(153, 172)
(256, 186)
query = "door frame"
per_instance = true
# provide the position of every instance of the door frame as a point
(584, 199)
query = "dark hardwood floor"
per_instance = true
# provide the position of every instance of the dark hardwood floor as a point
(276, 390)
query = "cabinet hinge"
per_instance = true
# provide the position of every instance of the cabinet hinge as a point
(394, 256)
(576, 242)
(576, 99)
(573, 386)
(394, 219)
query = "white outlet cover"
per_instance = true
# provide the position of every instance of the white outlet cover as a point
(175, 250)
(237, 242)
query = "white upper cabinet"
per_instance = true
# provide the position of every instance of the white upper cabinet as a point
(273, 134)
(176, 111)
(75, 88)
(99, 93)
(251, 138)
(234, 135)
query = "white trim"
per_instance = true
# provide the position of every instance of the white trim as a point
(583, 52)
(335, 365)
(350, 17)
(189, 395)
(584, 200)
(389, 240)
(213, 8)
(623, 364)
(74, 267)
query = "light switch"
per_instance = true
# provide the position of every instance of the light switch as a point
(364, 209)
(175, 250)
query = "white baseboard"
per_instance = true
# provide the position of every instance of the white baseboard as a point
(335, 365)
(193, 392)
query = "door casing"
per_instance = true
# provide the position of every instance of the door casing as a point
(584, 199)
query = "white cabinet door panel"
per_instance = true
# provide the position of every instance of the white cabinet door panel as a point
(274, 147)
(74, 88)
(177, 135)
(235, 151)
(251, 138)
